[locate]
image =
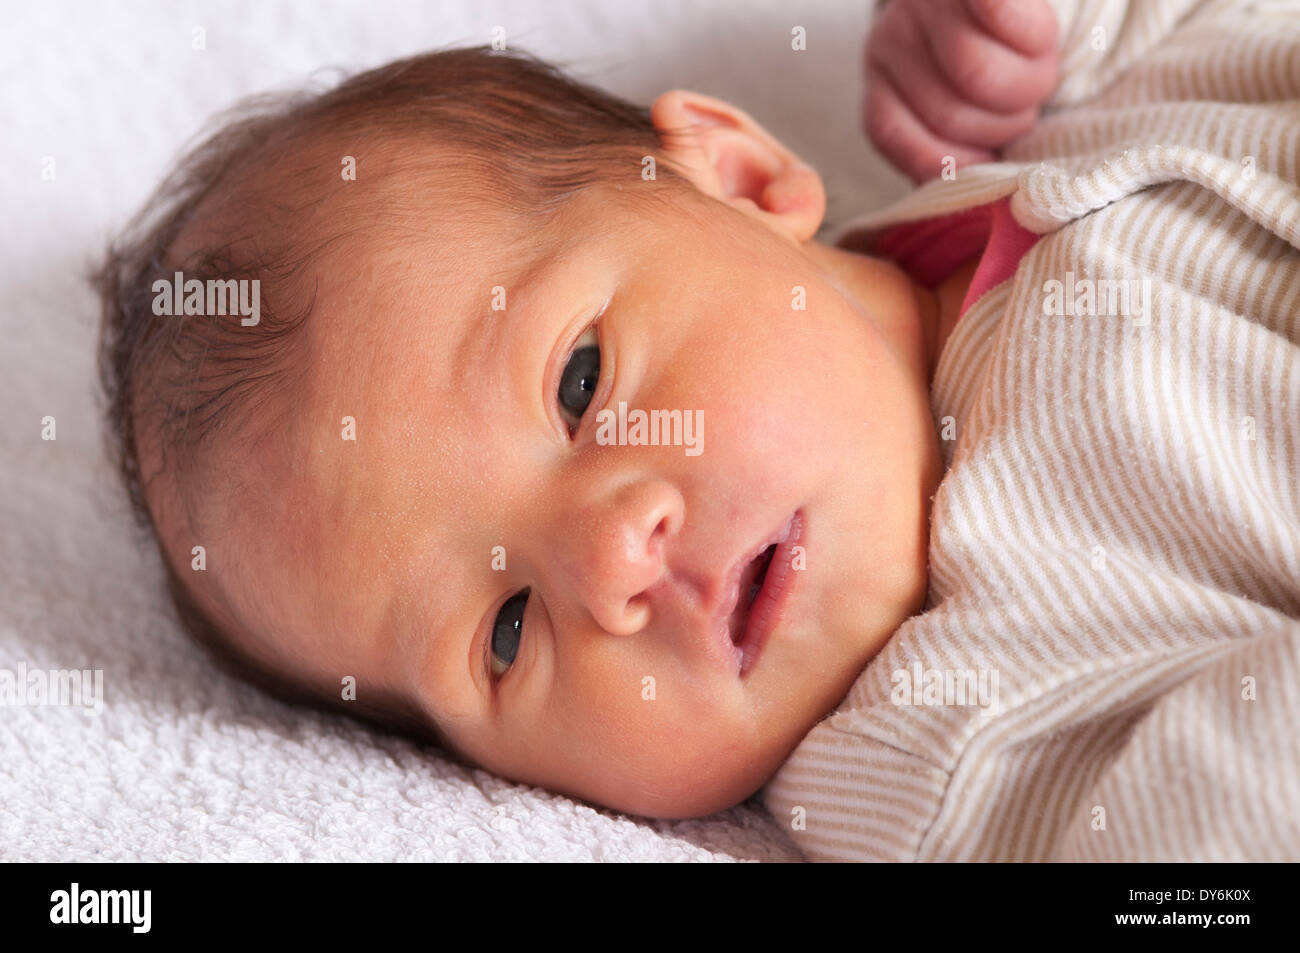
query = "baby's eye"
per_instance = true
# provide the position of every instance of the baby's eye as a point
(507, 629)
(581, 373)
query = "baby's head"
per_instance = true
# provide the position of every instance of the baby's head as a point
(434, 465)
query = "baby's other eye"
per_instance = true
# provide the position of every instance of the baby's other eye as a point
(581, 373)
(507, 629)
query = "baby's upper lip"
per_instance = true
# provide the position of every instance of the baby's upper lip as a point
(706, 599)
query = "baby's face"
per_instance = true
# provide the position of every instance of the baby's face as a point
(478, 474)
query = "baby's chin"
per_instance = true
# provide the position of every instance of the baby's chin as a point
(678, 794)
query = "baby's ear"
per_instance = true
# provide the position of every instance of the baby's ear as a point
(729, 156)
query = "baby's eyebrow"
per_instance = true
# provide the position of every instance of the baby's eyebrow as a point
(505, 305)
(512, 339)
(471, 353)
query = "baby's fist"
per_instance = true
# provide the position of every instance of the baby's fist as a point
(958, 78)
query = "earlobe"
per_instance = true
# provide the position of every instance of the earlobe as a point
(729, 156)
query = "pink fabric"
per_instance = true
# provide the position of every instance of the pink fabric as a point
(933, 249)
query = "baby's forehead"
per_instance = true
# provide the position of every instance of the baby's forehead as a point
(408, 264)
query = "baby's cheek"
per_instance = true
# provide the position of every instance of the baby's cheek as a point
(649, 729)
(667, 766)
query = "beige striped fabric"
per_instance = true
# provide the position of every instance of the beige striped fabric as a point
(1108, 666)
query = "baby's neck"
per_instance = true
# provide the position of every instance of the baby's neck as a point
(944, 311)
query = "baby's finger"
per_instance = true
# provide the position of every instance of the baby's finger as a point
(904, 140)
(919, 81)
(983, 70)
(1029, 26)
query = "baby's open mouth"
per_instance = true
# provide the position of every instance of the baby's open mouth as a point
(751, 581)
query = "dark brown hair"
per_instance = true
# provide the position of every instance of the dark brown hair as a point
(242, 204)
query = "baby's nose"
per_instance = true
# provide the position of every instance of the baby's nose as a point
(614, 549)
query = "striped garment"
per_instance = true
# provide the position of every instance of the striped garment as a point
(1115, 547)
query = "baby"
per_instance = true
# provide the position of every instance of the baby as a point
(557, 437)
(396, 476)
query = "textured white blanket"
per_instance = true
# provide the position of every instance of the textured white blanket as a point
(183, 763)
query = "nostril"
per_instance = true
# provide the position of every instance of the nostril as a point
(636, 614)
(659, 536)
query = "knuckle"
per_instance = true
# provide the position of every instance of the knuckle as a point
(953, 120)
(942, 120)
(997, 13)
(883, 128)
(1025, 120)
(975, 77)
(1049, 75)
(1018, 124)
